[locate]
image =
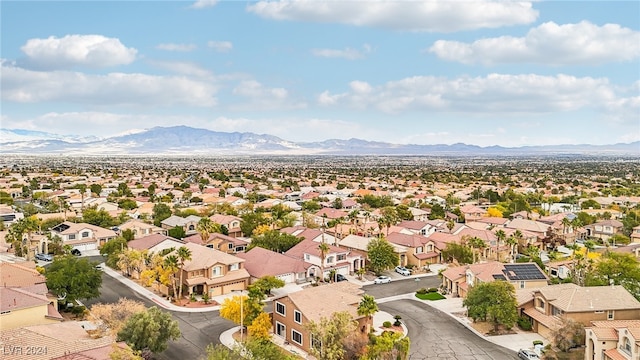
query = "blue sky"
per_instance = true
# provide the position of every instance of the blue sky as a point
(420, 72)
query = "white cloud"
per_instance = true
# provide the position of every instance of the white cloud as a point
(184, 68)
(263, 98)
(348, 53)
(220, 46)
(549, 43)
(201, 4)
(27, 86)
(435, 15)
(177, 47)
(77, 50)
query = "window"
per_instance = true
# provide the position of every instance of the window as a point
(230, 246)
(430, 248)
(296, 337)
(216, 271)
(610, 314)
(316, 343)
(235, 266)
(329, 259)
(555, 311)
(540, 303)
(419, 250)
(297, 316)
(281, 330)
(72, 237)
(522, 284)
(626, 345)
(281, 309)
(342, 257)
(85, 234)
(307, 257)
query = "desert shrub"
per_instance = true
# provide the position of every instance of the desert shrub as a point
(422, 291)
(524, 323)
(431, 290)
(386, 324)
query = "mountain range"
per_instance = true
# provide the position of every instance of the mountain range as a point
(184, 140)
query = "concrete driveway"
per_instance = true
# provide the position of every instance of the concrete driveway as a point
(435, 335)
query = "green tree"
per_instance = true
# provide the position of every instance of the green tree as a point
(172, 265)
(390, 345)
(457, 252)
(206, 227)
(95, 189)
(590, 204)
(329, 335)
(493, 301)
(382, 255)
(127, 204)
(250, 221)
(267, 283)
(437, 212)
(160, 212)
(150, 330)
(177, 232)
(72, 278)
(617, 268)
(323, 248)
(101, 217)
(275, 241)
(112, 250)
(5, 198)
(128, 234)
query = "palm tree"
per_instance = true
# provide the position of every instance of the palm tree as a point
(324, 249)
(172, 265)
(513, 243)
(83, 190)
(476, 244)
(501, 235)
(353, 218)
(205, 227)
(367, 307)
(566, 223)
(184, 254)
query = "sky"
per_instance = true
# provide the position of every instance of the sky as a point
(406, 72)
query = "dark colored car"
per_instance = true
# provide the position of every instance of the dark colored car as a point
(76, 252)
(340, 277)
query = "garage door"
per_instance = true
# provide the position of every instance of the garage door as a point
(85, 247)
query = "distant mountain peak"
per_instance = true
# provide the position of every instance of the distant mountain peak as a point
(185, 140)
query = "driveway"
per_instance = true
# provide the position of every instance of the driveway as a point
(435, 335)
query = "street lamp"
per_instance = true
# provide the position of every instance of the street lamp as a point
(241, 313)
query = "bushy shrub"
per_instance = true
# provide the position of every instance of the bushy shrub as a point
(422, 291)
(78, 310)
(524, 323)
(431, 290)
(397, 322)
(386, 324)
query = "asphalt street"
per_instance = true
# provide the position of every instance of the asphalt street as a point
(433, 334)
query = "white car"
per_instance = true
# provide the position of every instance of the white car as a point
(382, 280)
(527, 354)
(403, 270)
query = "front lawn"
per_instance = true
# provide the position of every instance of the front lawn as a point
(430, 296)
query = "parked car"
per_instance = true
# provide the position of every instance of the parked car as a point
(527, 354)
(340, 277)
(44, 257)
(403, 270)
(382, 280)
(76, 252)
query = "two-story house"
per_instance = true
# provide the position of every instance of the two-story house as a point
(81, 236)
(155, 243)
(420, 250)
(140, 228)
(635, 234)
(213, 271)
(292, 312)
(189, 223)
(604, 229)
(310, 234)
(360, 244)
(221, 242)
(232, 223)
(342, 261)
(546, 306)
(459, 280)
(613, 340)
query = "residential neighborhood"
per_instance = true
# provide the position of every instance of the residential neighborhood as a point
(186, 240)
